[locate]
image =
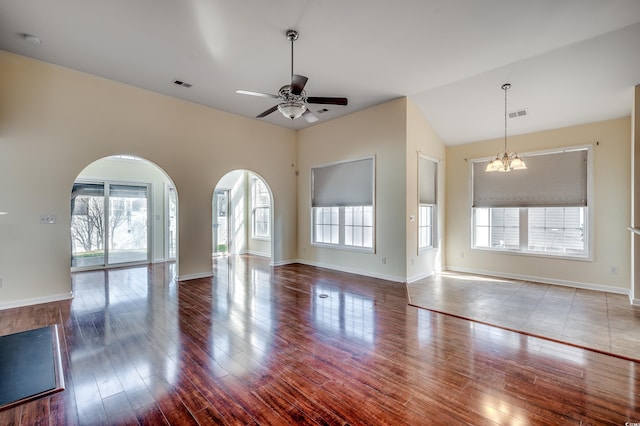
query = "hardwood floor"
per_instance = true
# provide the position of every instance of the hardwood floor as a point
(260, 345)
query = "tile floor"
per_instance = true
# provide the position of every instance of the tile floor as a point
(605, 322)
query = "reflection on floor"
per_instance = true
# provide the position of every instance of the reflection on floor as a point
(294, 344)
(586, 318)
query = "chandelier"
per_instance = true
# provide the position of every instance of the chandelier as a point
(505, 161)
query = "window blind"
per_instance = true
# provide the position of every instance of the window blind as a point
(343, 184)
(550, 180)
(427, 180)
(129, 191)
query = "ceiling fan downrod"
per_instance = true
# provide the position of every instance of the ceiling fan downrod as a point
(292, 35)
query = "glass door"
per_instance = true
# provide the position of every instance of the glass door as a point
(109, 224)
(172, 225)
(220, 222)
(87, 225)
(127, 219)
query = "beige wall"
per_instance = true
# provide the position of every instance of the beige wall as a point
(611, 209)
(421, 139)
(379, 131)
(55, 121)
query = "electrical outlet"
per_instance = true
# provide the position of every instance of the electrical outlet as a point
(47, 219)
(384, 260)
(0, 282)
(614, 270)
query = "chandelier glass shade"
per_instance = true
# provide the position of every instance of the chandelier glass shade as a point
(292, 109)
(506, 161)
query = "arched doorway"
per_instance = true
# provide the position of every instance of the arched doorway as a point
(242, 207)
(123, 212)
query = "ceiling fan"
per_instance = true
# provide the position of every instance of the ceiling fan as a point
(293, 98)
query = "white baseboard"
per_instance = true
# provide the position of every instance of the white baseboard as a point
(353, 271)
(36, 301)
(283, 262)
(634, 302)
(194, 276)
(415, 278)
(543, 280)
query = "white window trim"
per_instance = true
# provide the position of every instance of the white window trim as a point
(590, 202)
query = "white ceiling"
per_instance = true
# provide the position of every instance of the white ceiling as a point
(569, 61)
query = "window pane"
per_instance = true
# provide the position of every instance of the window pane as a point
(354, 229)
(367, 237)
(482, 217)
(497, 227)
(425, 226)
(261, 222)
(87, 224)
(557, 230)
(127, 224)
(348, 216)
(367, 212)
(326, 225)
(335, 235)
(356, 218)
(550, 230)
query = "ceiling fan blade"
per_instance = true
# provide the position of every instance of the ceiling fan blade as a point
(326, 101)
(264, 95)
(267, 112)
(297, 83)
(309, 116)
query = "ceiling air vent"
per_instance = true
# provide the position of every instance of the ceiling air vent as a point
(181, 83)
(518, 113)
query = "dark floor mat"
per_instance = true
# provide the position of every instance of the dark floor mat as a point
(29, 365)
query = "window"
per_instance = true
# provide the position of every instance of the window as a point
(358, 226)
(342, 205)
(261, 209)
(427, 188)
(541, 210)
(425, 226)
(557, 230)
(327, 225)
(497, 228)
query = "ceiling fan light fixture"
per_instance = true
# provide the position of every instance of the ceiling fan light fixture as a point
(293, 98)
(291, 109)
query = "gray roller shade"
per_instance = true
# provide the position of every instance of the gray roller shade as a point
(550, 180)
(427, 180)
(348, 183)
